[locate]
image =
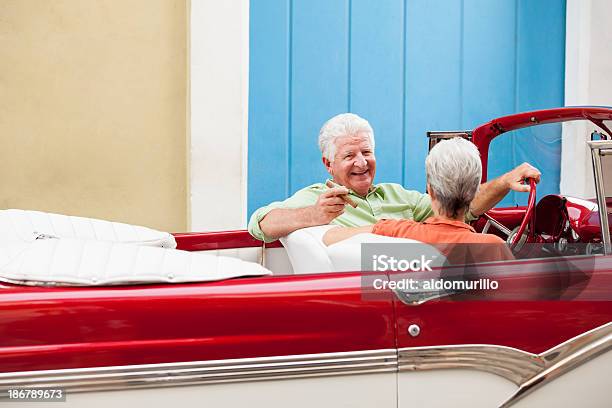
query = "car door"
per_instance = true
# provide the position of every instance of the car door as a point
(268, 341)
(546, 319)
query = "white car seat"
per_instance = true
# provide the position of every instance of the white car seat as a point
(97, 263)
(308, 253)
(306, 250)
(38, 248)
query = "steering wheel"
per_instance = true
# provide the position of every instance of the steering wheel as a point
(528, 219)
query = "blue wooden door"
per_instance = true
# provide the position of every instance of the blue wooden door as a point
(407, 66)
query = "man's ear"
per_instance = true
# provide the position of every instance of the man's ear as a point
(327, 164)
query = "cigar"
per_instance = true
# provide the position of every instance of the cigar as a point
(345, 197)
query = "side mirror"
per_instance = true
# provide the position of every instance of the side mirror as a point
(595, 135)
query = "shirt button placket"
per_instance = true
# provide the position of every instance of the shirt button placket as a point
(375, 205)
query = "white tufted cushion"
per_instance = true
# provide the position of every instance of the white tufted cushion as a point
(20, 226)
(96, 263)
(308, 253)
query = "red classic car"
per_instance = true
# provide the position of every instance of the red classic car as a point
(101, 313)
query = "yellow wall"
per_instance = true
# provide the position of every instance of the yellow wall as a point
(93, 109)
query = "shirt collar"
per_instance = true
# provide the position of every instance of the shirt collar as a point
(373, 188)
(457, 224)
(376, 188)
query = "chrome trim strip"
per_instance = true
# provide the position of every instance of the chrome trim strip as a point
(512, 364)
(598, 149)
(420, 297)
(203, 372)
(529, 371)
(564, 358)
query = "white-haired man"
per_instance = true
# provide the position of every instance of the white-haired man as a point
(347, 146)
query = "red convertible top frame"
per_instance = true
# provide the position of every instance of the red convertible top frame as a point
(484, 134)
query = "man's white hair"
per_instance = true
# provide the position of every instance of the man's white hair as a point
(454, 171)
(345, 124)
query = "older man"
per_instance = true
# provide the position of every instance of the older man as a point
(347, 147)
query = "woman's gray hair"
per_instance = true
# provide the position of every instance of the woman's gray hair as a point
(345, 124)
(454, 171)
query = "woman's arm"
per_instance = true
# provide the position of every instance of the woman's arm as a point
(341, 233)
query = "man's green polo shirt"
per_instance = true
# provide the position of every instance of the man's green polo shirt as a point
(384, 201)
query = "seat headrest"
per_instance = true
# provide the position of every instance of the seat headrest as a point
(306, 250)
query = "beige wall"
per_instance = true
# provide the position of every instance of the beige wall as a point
(93, 109)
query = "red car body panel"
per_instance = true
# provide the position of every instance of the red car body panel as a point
(538, 305)
(52, 328)
(198, 241)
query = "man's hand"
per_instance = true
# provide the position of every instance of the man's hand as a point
(514, 179)
(329, 205)
(491, 193)
(282, 221)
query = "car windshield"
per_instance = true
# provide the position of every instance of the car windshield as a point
(515, 147)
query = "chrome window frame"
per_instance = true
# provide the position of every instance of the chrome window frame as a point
(601, 148)
(437, 136)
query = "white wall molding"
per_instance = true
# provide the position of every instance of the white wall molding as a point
(588, 65)
(219, 113)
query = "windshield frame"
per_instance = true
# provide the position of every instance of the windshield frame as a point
(601, 148)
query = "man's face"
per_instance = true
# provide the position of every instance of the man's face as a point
(354, 164)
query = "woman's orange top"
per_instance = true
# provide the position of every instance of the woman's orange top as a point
(438, 230)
